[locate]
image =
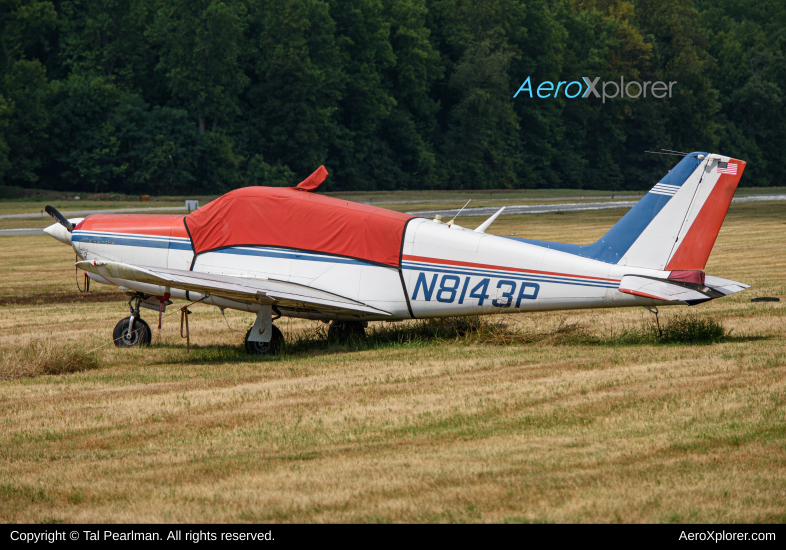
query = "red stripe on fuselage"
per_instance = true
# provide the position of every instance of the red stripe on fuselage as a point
(695, 248)
(643, 294)
(503, 268)
(160, 225)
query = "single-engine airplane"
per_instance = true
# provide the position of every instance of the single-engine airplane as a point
(290, 252)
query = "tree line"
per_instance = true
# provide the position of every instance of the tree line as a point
(203, 96)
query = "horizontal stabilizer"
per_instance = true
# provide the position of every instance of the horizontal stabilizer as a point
(670, 290)
(661, 289)
(266, 291)
(724, 286)
(679, 291)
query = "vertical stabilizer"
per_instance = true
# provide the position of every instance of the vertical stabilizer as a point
(680, 236)
(674, 226)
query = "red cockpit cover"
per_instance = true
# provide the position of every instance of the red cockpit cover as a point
(284, 217)
(314, 180)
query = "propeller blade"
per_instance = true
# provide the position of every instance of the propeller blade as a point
(59, 218)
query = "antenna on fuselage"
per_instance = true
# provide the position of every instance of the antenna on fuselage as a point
(485, 225)
(668, 152)
(459, 212)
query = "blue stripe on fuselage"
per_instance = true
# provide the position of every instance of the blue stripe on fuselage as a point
(130, 240)
(292, 255)
(613, 245)
(164, 242)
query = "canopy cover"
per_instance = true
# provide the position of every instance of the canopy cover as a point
(293, 218)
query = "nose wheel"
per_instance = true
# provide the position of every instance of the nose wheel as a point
(132, 331)
(139, 336)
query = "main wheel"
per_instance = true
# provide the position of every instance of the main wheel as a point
(344, 331)
(275, 345)
(141, 336)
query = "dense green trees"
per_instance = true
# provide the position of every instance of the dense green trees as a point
(176, 96)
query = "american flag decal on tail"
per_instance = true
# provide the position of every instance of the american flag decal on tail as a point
(727, 168)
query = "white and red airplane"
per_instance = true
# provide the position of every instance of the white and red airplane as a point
(289, 252)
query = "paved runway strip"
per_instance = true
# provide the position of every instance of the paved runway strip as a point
(80, 213)
(485, 211)
(569, 207)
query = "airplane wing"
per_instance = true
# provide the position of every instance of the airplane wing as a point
(678, 291)
(266, 291)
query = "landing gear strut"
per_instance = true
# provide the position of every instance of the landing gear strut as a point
(272, 347)
(654, 311)
(264, 338)
(132, 331)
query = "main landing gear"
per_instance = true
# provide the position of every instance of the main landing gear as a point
(264, 338)
(272, 347)
(132, 331)
(344, 331)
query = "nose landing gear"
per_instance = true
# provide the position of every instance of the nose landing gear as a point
(132, 331)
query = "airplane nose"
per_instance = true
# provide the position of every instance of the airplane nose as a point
(58, 232)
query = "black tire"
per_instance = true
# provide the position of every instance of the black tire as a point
(345, 331)
(273, 347)
(141, 336)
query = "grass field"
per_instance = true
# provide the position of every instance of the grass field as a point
(576, 424)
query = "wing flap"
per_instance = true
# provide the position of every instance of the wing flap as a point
(280, 293)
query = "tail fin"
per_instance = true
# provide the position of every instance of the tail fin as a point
(675, 225)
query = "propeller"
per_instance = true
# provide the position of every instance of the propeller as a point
(59, 218)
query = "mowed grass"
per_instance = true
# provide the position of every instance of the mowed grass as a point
(447, 429)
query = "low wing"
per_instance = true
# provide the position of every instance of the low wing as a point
(678, 291)
(266, 291)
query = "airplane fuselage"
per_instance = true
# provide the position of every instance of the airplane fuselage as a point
(443, 270)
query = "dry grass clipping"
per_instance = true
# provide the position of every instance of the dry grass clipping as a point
(40, 358)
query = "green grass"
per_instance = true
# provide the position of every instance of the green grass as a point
(688, 329)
